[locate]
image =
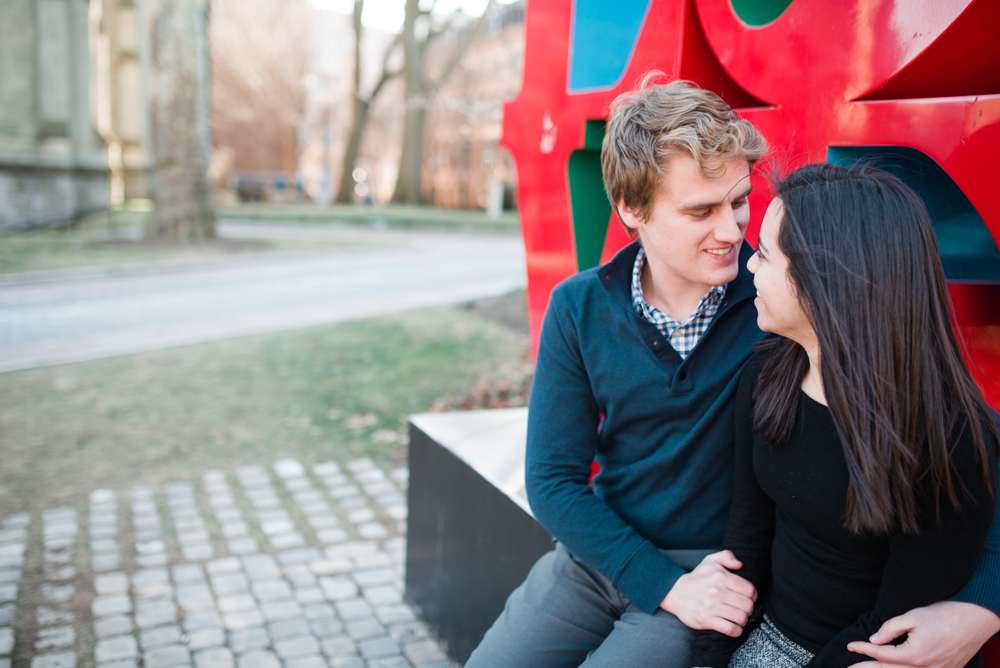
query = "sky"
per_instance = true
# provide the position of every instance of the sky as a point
(387, 15)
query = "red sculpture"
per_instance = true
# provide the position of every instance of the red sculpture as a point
(822, 80)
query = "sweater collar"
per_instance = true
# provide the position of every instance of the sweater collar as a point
(616, 277)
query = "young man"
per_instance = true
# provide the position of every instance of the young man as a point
(637, 365)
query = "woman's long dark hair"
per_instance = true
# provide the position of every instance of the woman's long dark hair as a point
(866, 268)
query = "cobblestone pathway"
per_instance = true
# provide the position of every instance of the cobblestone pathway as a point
(251, 568)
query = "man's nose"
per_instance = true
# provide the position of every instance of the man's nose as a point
(728, 228)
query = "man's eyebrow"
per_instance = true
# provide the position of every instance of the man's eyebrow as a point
(701, 206)
(746, 193)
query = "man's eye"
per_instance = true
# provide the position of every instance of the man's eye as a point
(739, 203)
(702, 215)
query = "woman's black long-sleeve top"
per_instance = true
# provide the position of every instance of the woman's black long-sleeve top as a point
(820, 584)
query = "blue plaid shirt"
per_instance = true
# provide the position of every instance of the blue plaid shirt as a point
(683, 336)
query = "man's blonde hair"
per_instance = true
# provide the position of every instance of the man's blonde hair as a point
(649, 125)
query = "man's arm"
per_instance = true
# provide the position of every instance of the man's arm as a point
(949, 633)
(563, 420)
(711, 597)
(943, 635)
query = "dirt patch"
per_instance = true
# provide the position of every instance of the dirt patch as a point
(510, 310)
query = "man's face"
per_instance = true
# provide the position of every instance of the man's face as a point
(694, 231)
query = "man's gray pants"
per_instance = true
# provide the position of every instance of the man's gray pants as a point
(565, 614)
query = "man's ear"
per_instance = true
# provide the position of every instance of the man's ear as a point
(628, 216)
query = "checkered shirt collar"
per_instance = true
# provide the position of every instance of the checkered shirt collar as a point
(683, 336)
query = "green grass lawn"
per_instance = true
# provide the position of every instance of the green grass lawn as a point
(323, 393)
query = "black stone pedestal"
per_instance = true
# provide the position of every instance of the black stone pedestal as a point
(471, 538)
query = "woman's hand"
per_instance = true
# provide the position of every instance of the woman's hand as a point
(710, 597)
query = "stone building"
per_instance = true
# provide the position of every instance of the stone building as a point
(77, 104)
(121, 52)
(53, 162)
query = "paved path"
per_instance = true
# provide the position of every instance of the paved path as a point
(69, 316)
(250, 568)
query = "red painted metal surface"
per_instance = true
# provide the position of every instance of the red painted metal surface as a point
(913, 73)
(991, 654)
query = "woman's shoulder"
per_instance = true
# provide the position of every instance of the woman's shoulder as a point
(748, 379)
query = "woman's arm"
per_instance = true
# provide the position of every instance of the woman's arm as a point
(927, 567)
(751, 523)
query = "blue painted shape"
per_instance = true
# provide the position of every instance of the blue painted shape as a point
(968, 250)
(603, 38)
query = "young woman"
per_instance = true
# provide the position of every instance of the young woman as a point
(865, 453)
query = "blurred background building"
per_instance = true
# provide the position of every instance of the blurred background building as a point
(120, 53)
(53, 161)
(464, 165)
(461, 154)
(90, 110)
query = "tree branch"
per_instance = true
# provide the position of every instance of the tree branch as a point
(396, 41)
(463, 47)
(386, 77)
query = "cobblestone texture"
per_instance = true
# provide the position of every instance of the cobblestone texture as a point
(279, 567)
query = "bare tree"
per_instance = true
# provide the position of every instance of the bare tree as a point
(362, 105)
(260, 55)
(420, 86)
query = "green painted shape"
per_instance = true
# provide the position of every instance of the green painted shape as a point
(759, 12)
(593, 136)
(590, 206)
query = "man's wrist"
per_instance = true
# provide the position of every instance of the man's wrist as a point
(983, 588)
(669, 602)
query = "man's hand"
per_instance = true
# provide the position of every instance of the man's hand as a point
(710, 597)
(943, 635)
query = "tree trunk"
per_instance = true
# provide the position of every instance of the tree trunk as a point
(181, 189)
(407, 189)
(408, 182)
(419, 90)
(347, 183)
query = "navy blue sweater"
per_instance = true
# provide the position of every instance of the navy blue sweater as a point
(664, 444)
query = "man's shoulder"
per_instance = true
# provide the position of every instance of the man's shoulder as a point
(612, 278)
(579, 283)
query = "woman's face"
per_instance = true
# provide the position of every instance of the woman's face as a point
(778, 307)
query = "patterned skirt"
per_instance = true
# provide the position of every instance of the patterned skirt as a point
(767, 647)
